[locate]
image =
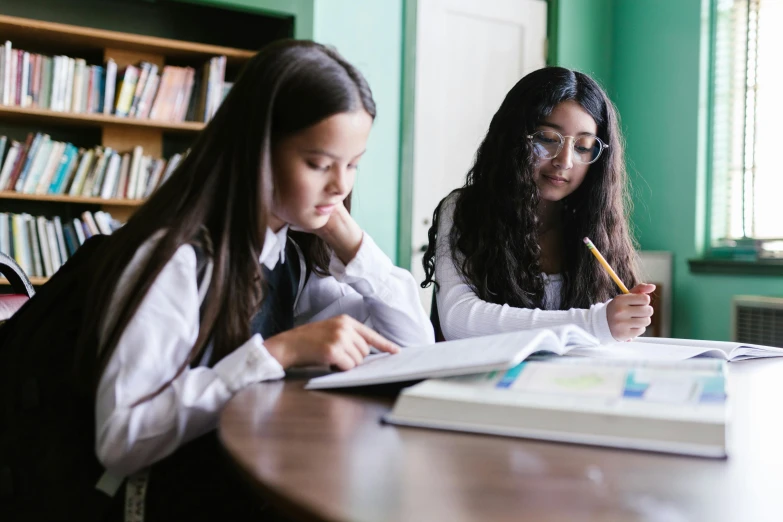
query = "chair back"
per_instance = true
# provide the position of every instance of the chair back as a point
(21, 287)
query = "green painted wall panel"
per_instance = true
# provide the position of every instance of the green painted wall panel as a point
(659, 82)
(584, 37)
(370, 38)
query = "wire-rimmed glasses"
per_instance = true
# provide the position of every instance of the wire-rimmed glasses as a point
(547, 144)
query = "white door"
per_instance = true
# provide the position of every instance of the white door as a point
(469, 53)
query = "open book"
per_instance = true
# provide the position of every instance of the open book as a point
(676, 407)
(503, 351)
(662, 348)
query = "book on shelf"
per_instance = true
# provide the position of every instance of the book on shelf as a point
(42, 166)
(658, 406)
(144, 91)
(41, 245)
(503, 351)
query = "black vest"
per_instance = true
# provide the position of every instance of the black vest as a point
(282, 287)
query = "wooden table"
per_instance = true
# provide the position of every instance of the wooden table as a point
(326, 456)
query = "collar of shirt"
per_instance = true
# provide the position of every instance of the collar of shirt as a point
(274, 247)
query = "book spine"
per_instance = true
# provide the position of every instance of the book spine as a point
(71, 239)
(81, 173)
(139, 88)
(37, 167)
(43, 244)
(33, 243)
(31, 157)
(7, 73)
(56, 159)
(23, 154)
(5, 234)
(54, 249)
(10, 162)
(100, 173)
(61, 244)
(79, 229)
(127, 88)
(21, 254)
(111, 78)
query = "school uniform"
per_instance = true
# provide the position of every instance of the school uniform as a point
(159, 337)
(462, 313)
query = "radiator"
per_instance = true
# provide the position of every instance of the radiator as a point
(757, 320)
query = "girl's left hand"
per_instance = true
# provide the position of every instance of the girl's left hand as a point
(342, 234)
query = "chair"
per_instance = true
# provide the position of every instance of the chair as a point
(21, 287)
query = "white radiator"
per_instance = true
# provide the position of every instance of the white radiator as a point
(757, 320)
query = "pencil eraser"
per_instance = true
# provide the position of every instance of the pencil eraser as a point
(587, 241)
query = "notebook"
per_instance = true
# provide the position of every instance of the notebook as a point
(659, 406)
(503, 351)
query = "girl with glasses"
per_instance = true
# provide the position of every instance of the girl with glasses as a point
(506, 250)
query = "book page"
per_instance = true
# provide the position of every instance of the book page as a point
(637, 350)
(581, 383)
(733, 350)
(447, 358)
(571, 337)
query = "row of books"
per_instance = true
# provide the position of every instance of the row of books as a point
(41, 245)
(67, 84)
(44, 166)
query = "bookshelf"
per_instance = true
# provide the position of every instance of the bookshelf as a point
(50, 117)
(122, 134)
(113, 202)
(72, 39)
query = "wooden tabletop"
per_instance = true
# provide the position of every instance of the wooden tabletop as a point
(326, 456)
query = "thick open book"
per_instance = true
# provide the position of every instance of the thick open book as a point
(660, 406)
(503, 351)
(479, 354)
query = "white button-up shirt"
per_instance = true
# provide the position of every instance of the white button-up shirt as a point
(463, 314)
(161, 334)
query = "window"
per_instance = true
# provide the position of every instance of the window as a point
(747, 120)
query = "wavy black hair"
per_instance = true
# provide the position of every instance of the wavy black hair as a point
(494, 238)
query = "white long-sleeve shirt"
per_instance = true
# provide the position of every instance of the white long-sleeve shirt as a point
(161, 334)
(463, 314)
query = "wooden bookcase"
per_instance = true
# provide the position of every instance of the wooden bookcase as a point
(121, 134)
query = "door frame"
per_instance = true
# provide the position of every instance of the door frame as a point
(407, 115)
(407, 118)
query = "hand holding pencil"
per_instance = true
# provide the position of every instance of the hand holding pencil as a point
(628, 314)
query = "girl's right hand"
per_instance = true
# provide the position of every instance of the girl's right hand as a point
(340, 341)
(629, 314)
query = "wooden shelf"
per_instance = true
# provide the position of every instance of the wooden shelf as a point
(6, 194)
(36, 281)
(11, 113)
(71, 37)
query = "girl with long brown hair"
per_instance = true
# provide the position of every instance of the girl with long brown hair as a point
(245, 263)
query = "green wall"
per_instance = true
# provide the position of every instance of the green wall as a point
(584, 37)
(370, 37)
(659, 80)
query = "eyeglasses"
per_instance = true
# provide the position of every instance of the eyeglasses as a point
(547, 144)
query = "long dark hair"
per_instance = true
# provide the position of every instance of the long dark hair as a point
(494, 239)
(225, 187)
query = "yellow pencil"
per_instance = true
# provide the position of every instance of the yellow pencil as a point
(604, 264)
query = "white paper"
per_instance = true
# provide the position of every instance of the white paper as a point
(451, 358)
(647, 351)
